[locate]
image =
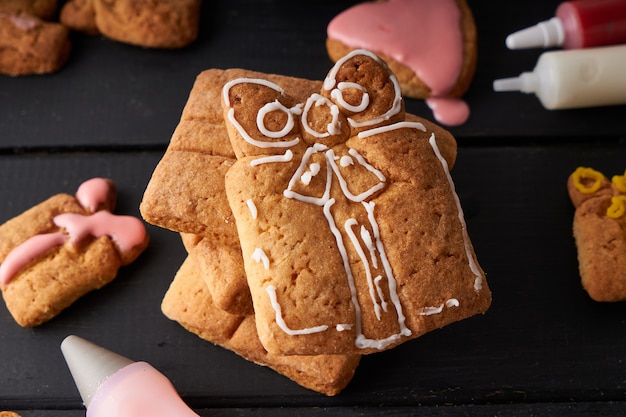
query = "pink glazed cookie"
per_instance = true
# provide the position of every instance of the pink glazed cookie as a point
(56, 252)
(429, 45)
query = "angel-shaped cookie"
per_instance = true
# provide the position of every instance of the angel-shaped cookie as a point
(352, 236)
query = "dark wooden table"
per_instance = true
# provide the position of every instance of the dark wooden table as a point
(544, 348)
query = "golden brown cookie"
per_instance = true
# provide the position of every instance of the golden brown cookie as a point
(59, 250)
(353, 239)
(29, 45)
(149, 23)
(189, 302)
(599, 230)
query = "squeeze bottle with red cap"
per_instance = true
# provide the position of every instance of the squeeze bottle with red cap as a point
(577, 78)
(577, 24)
(114, 386)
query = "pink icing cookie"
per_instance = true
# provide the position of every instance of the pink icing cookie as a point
(429, 45)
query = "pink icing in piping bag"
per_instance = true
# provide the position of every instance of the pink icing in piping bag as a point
(111, 385)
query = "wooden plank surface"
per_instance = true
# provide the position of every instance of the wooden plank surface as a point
(115, 94)
(544, 348)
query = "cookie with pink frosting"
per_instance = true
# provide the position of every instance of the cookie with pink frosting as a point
(62, 248)
(429, 45)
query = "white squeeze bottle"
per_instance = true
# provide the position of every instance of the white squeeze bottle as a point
(566, 79)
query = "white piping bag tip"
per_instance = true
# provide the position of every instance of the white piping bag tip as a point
(544, 34)
(90, 365)
(507, 84)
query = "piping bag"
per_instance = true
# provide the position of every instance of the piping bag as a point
(577, 24)
(111, 385)
(568, 79)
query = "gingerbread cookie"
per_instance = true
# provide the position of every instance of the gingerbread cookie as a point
(29, 45)
(437, 62)
(189, 302)
(146, 23)
(599, 230)
(188, 194)
(55, 252)
(43, 9)
(352, 235)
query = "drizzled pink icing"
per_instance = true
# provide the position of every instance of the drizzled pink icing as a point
(19, 257)
(424, 35)
(449, 111)
(138, 390)
(125, 231)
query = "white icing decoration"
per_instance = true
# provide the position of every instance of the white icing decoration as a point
(330, 82)
(271, 291)
(260, 81)
(361, 341)
(345, 161)
(369, 207)
(333, 128)
(252, 207)
(380, 292)
(452, 302)
(368, 273)
(318, 201)
(337, 94)
(286, 157)
(394, 126)
(314, 169)
(258, 143)
(259, 256)
(342, 327)
(428, 311)
(367, 239)
(237, 125)
(472, 262)
(271, 107)
(344, 185)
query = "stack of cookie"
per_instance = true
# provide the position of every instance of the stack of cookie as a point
(320, 220)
